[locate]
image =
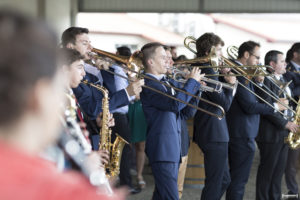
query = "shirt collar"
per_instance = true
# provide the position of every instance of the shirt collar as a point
(296, 65)
(158, 77)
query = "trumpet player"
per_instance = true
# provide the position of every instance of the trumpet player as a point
(163, 121)
(210, 133)
(273, 128)
(187, 113)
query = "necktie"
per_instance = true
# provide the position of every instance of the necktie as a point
(169, 89)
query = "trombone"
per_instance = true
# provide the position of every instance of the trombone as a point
(243, 72)
(134, 64)
(254, 70)
(232, 52)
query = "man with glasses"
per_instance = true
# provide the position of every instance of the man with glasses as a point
(243, 122)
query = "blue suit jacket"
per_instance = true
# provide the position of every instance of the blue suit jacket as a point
(163, 120)
(90, 99)
(109, 80)
(272, 126)
(295, 85)
(186, 113)
(244, 114)
(208, 128)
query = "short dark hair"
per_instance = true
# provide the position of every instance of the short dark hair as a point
(248, 46)
(124, 51)
(28, 53)
(180, 58)
(68, 56)
(148, 51)
(272, 56)
(290, 53)
(69, 35)
(206, 41)
(167, 48)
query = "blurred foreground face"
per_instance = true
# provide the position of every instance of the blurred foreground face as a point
(52, 100)
(31, 89)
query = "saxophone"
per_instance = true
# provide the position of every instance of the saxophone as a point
(115, 149)
(293, 139)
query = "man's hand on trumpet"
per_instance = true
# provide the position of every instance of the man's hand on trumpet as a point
(196, 74)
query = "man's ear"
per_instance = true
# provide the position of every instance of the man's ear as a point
(272, 64)
(295, 54)
(246, 54)
(70, 45)
(150, 62)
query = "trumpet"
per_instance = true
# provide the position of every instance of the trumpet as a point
(134, 65)
(219, 85)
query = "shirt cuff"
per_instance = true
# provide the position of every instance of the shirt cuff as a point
(130, 98)
(276, 107)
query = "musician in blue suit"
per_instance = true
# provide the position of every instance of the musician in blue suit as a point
(78, 38)
(90, 98)
(163, 120)
(273, 129)
(243, 122)
(210, 133)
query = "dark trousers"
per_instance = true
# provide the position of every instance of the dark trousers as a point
(165, 177)
(273, 158)
(291, 170)
(122, 128)
(241, 154)
(217, 177)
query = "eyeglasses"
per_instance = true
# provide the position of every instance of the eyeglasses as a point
(257, 57)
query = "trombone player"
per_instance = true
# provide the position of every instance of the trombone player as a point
(273, 128)
(210, 133)
(243, 123)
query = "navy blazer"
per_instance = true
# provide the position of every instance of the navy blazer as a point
(163, 120)
(295, 77)
(187, 113)
(208, 128)
(109, 80)
(90, 98)
(244, 114)
(271, 126)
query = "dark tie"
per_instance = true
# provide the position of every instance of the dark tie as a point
(169, 89)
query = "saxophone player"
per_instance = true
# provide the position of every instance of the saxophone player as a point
(293, 68)
(90, 98)
(73, 68)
